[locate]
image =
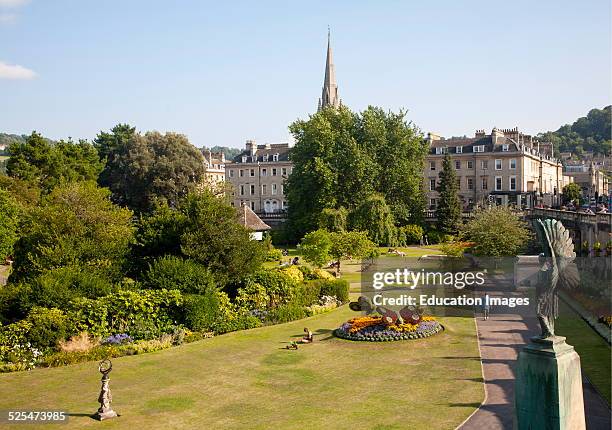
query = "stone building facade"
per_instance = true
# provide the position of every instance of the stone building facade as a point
(258, 176)
(505, 167)
(214, 165)
(591, 179)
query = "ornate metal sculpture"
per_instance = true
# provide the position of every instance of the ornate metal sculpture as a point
(557, 268)
(105, 398)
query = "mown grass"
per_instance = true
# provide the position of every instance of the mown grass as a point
(248, 380)
(594, 351)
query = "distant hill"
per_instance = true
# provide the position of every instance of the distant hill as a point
(589, 133)
(7, 139)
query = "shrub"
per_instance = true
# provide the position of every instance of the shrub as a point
(278, 285)
(294, 273)
(412, 233)
(287, 312)
(322, 274)
(175, 273)
(339, 288)
(274, 255)
(144, 314)
(306, 294)
(214, 312)
(252, 296)
(306, 271)
(47, 327)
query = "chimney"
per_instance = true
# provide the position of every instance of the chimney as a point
(251, 147)
(496, 135)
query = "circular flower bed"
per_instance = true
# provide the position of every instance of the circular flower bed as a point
(377, 329)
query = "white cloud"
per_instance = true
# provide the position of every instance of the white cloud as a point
(7, 18)
(15, 71)
(13, 3)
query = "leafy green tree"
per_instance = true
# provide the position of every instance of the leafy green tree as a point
(374, 217)
(213, 237)
(350, 245)
(341, 157)
(572, 192)
(24, 192)
(448, 210)
(48, 164)
(108, 143)
(496, 232)
(152, 168)
(9, 220)
(333, 219)
(316, 247)
(76, 225)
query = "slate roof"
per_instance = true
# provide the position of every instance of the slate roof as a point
(468, 144)
(250, 220)
(282, 149)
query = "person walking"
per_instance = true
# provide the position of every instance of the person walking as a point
(487, 308)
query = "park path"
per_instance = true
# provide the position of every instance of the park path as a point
(501, 337)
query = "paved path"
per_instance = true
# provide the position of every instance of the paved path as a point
(501, 338)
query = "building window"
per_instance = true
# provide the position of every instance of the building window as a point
(439, 150)
(252, 206)
(264, 172)
(264, 189)
(498, 164)
(242, 190)
(470, 183)
(485, 183)
(244, 158)
(432, 185)
(512, 183)
(231, 173)
(241, 173)
(484, 164)
(252, 190)
(479, 148)
(457, 164)
(470, 164)
(265, 157)
(273, 172)
(284, 171)
(432, 203)
(498, 183)
(459, 149)
(505, 147)
(513, 163)
(432, 165)
(273, 189)
(252, 172)
(275, 157)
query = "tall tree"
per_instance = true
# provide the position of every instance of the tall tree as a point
(48, 164)
(9, 218)
(77, 225)
(341, 157)
(572, 192)
(374, 216)
(448, 210)
(152, 168)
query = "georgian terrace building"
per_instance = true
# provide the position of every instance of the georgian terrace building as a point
(258, 175)
(214, 165)
(505, 167)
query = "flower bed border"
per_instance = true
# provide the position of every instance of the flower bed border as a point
(404, 336)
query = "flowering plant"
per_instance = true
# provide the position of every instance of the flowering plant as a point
(118, 339)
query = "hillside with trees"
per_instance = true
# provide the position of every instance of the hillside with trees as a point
(589, 133)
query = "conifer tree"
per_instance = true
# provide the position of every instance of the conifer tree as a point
(448, 210)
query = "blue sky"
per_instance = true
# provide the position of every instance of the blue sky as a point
(224, 72)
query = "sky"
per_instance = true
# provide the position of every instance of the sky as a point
(225, 72)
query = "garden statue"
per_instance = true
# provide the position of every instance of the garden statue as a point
(557, 268)
(408, 314)
(548, 386)
(105, 398)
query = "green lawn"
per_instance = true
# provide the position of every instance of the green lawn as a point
(594, 351)
(247, 380)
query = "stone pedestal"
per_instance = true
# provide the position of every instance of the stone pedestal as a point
(548, 389)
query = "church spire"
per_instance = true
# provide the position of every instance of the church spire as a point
(329, 96)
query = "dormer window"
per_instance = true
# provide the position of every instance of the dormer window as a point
(275, 157)
(439, 150)
(505, 147)
(459, 149)
(253, 158)
(479, 148)
(244, 158)
(265, 157)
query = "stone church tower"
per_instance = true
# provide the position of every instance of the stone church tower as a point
(329, 96)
